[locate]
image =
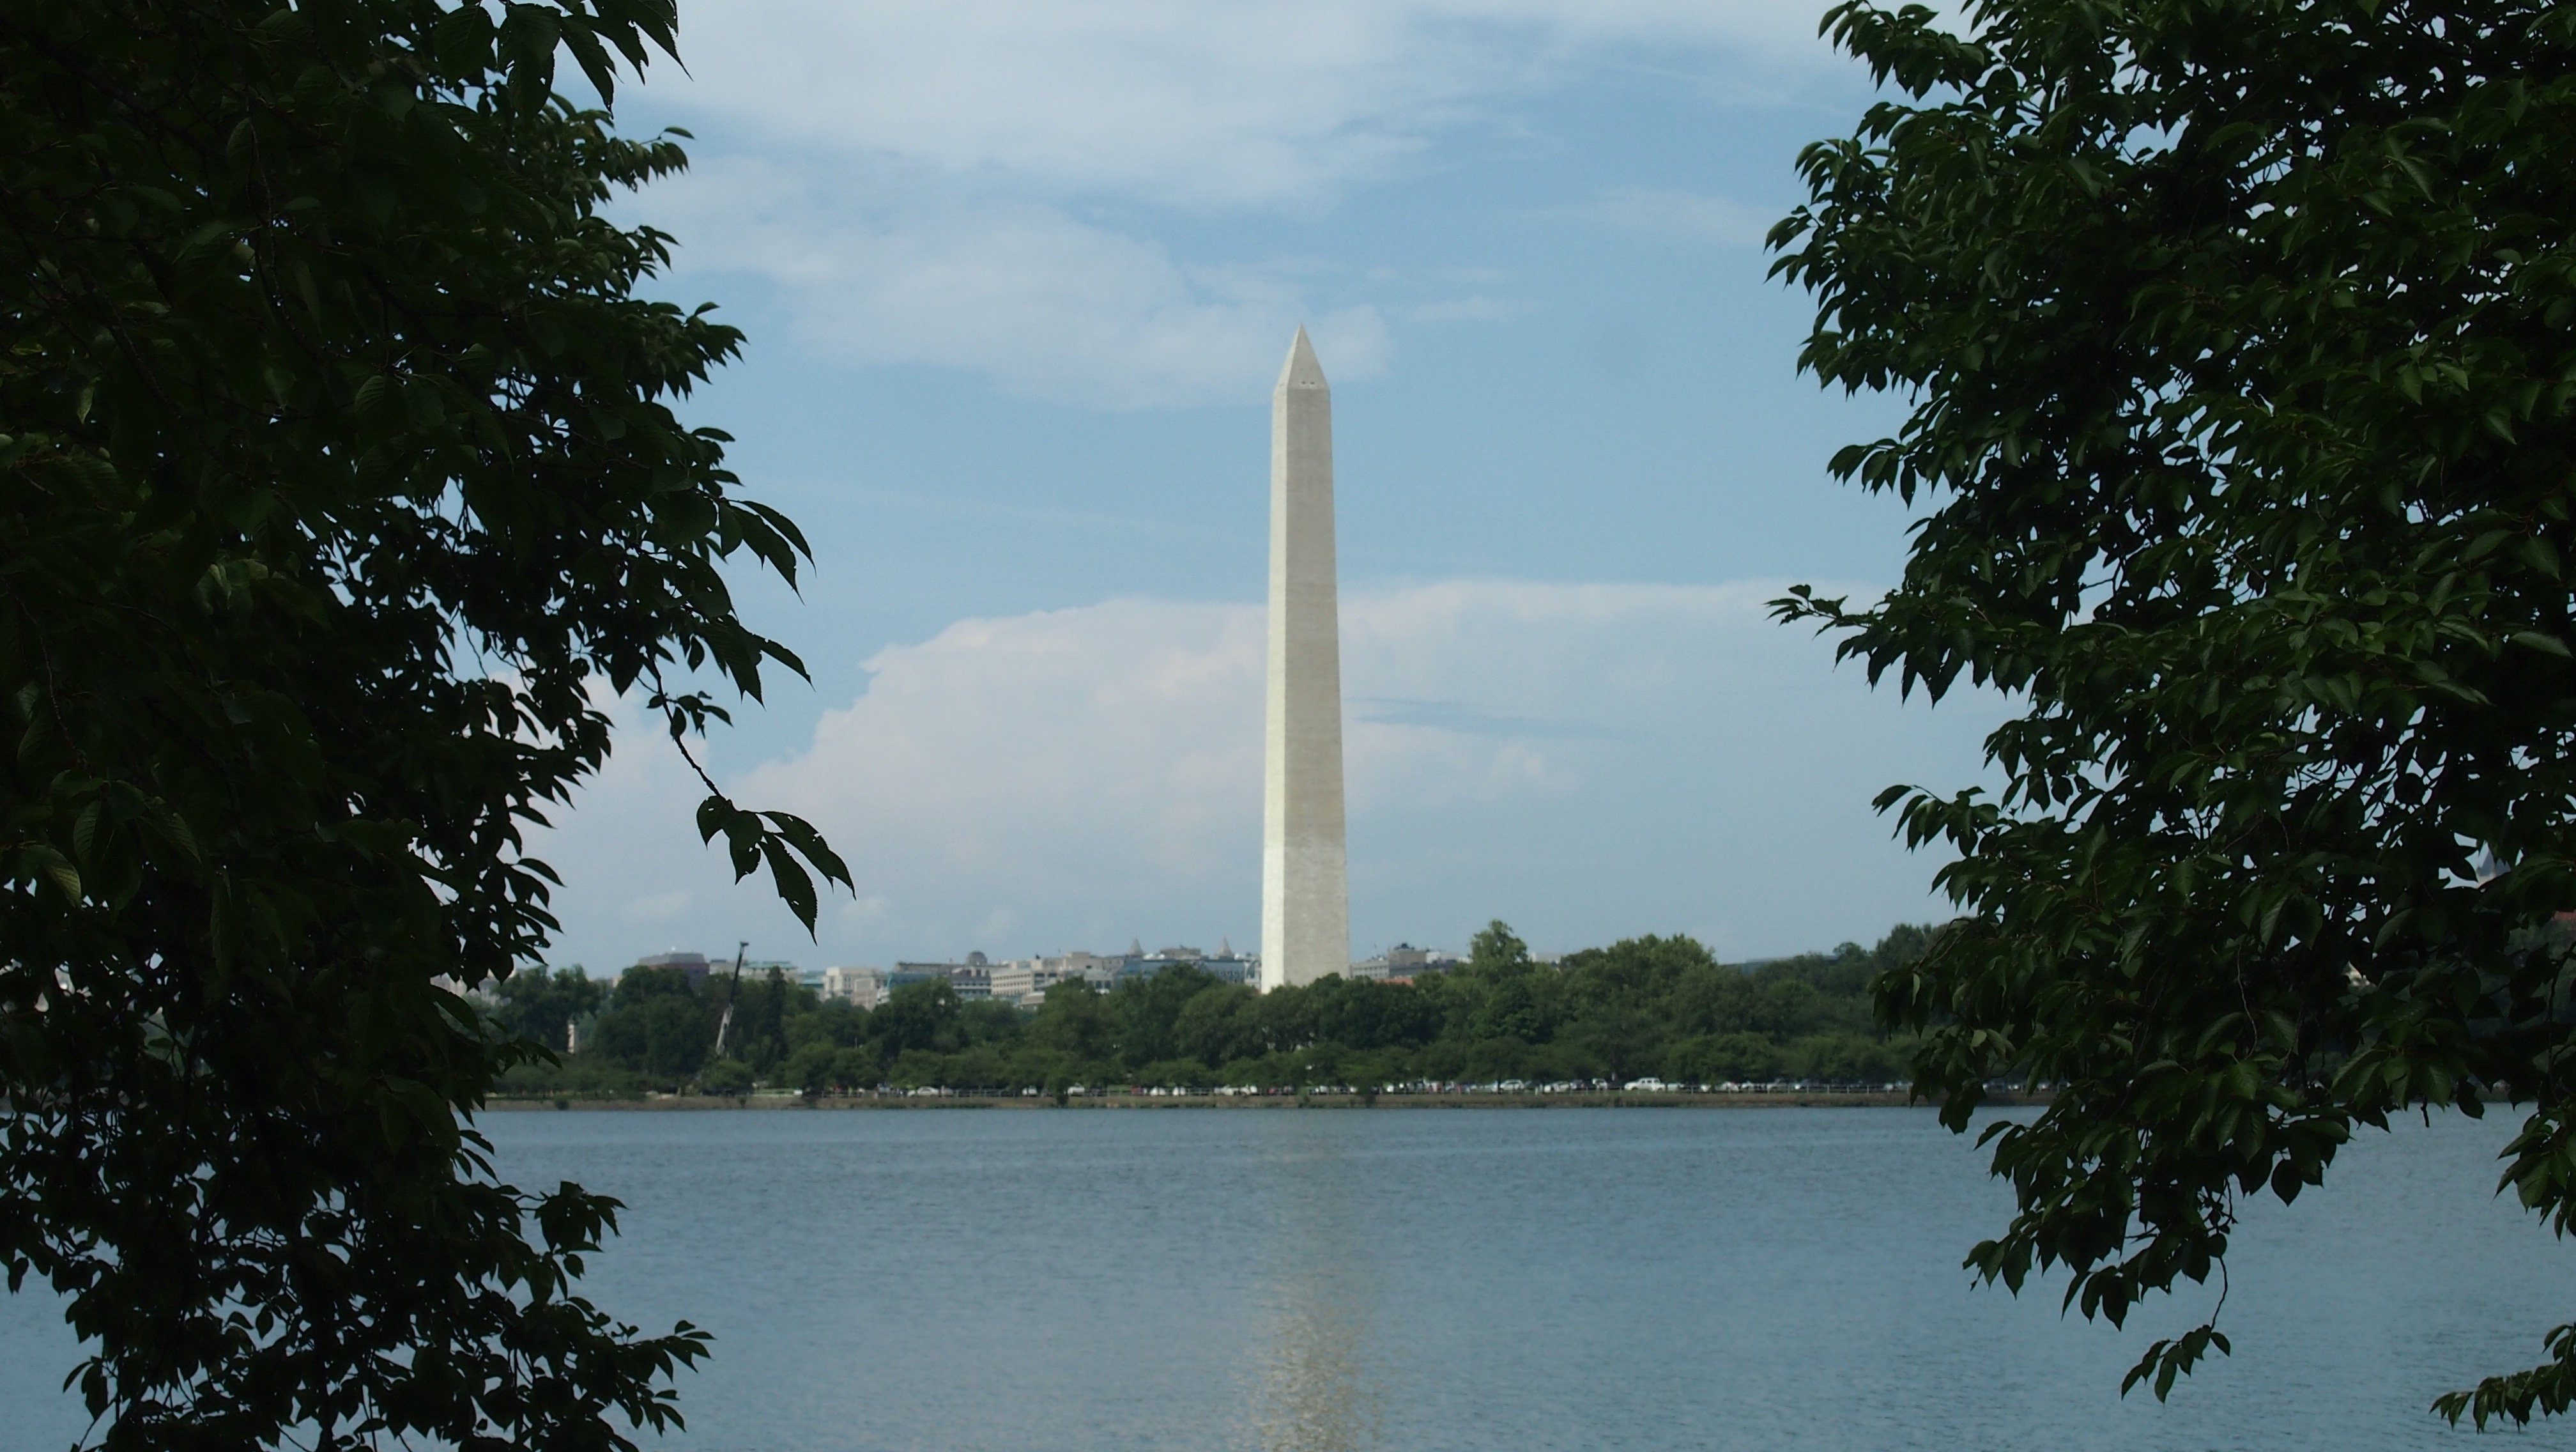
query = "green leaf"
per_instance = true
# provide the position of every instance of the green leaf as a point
(795, 887)
(38, 862)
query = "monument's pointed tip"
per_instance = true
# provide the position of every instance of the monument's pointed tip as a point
(1302, 369)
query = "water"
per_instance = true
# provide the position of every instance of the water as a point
(1498, 1280)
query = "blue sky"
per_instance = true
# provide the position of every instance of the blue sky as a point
(1017, 278)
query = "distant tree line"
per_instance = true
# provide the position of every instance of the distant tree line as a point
(1650, 1006)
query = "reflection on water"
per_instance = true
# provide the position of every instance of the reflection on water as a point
(1313, 1395)
(1314, 1390)
(1433, 1281)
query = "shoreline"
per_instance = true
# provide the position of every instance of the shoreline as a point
(1602, 1099)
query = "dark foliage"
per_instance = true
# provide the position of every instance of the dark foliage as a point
(337, 476)
(542, 1007)
(2238, 334)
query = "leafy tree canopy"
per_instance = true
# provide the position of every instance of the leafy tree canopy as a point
(1652, 1005)
(2238, 339)
(534, 1004)
(339, 485)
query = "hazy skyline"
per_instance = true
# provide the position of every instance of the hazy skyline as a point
(1017, 278)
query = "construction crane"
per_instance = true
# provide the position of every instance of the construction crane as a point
(733, 990)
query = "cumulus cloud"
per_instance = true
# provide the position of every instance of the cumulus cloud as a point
(1578, 758)
(1048, 755)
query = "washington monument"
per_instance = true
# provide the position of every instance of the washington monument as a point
(1305, 889)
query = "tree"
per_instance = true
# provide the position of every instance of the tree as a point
(1510, 1012)
(916, 1016)
(809, 1069)
(1723, 1058)
(1713, 1000)
(677, 1035)
(641, 985)
(1495, 952)
(1074, 1021)
(2237, 339)
(1220, 1024)
(341, 481)
(1147, 1009)
(856, 1068)
(760, 1019)
(1650, 1004)
(542, 1007)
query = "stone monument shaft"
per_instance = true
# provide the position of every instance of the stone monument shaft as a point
(1305, 891)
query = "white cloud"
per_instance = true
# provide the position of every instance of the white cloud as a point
(1587, 760)
(925, 180)
(1189, 102)
(1681, 216)
(1477, 309)
(1047, 306)
(1009, 752)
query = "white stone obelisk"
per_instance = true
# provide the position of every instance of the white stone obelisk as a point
(1305, 888)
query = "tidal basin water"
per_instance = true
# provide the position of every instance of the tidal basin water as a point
(1495, 1280)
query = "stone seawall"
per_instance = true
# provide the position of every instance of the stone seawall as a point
(1605, 1099)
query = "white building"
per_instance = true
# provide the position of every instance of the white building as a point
(1015, 981)
(863, 987)
(1025, 981)
(1402, 961)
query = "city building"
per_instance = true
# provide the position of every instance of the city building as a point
(693, 964)
(1101, 972)
(971, 979)
(1399, 963)
(1231, 966)
(1025, 981)
(859, 987)
(1222, 964)
(1233, 969)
